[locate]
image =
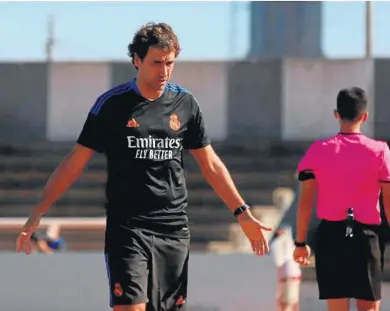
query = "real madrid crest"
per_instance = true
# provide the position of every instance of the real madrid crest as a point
(118, 291)
(174, 122)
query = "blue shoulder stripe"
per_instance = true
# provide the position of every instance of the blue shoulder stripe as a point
(176, 88)
(123, 88)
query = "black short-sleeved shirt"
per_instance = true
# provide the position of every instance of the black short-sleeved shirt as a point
(143, 142)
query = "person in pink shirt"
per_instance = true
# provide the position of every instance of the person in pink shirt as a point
(345, 175)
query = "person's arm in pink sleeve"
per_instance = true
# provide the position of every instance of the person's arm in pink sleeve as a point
(308, 161)
(384, 178)
(306, 175)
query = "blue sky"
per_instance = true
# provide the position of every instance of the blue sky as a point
(101, 31)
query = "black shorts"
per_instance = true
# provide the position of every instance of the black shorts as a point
(146, 268)
(348, 267)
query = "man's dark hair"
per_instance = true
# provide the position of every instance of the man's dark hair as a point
(157, 35)
(351, 103)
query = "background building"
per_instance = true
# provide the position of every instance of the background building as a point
(285, 29)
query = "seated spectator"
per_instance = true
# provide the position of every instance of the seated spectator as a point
(48, 242)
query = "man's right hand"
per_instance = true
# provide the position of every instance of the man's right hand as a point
(301, 255)
(23, 242)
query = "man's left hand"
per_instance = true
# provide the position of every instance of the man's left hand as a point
(301, 255)
(253, 230)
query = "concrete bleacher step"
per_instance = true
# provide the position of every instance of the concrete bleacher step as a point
(215, 237)
(199, 232)
(205, 233)
(234, 162)
(76, 196)
(23, 210)
(196, 214)
(94, 240)
(195, 180)
(92, 246)
(257, 168)
(210, 198)
(100, 176)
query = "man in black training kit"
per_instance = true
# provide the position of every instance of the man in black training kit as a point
(142, 127)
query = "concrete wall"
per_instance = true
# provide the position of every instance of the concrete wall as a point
(73, 89)
(310, 91)
(23, 100)
(207, 81)
(120, 72)
(382, 98)
(254, 100)
(265, 100)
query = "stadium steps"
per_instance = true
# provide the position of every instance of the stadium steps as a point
(93, 240)
(196, 214)
(250, 181)
(92, 179)
(256, 169)
(235, 163)
(91, 196)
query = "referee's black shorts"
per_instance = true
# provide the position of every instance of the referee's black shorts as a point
(146, 268)
(348, 267)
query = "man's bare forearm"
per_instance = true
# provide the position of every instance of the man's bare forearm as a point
(220, 180)
(303, 220)
(386, 200)
(386, 206)
(305, 208)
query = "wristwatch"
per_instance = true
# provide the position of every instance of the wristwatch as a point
(300, 244)
(241, 209)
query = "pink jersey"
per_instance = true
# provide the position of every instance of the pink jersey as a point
(348, 168)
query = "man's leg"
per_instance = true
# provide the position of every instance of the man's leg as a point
(368, 263)
(289, 299)
(53, 231)
(170, 271)
(127, 256)
(365, 305)
(338, 304)
(138, 307)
